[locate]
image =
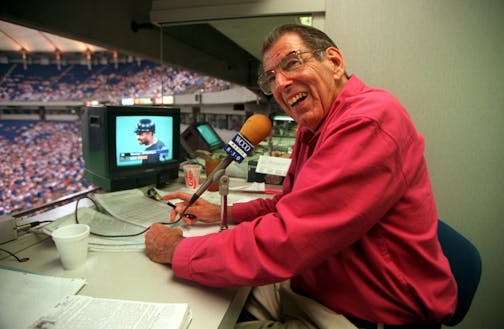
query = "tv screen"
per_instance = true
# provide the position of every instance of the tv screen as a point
(130, 146)
(200, 136)
(209, 135)
(143, 139)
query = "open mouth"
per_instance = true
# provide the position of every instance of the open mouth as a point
(297, 99)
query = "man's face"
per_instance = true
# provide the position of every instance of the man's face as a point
(307, 94)
(144, 138)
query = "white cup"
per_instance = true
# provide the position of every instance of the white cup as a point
(72, 244)
(192, 173)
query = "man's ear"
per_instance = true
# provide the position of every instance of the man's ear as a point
(338, 62)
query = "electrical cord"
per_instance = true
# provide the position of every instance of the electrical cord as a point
(116, 235)
(26, 226)
(36, 223)
(22, 228)
(20, 260)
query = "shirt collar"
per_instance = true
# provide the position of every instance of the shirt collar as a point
(352, 87)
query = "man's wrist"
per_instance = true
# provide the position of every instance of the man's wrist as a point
(174, 247)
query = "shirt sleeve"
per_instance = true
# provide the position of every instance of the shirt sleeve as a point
(348, 182)
(245, 211)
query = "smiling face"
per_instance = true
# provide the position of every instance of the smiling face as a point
(307, 94)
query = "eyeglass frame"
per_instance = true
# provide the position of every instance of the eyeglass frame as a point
(262, 80)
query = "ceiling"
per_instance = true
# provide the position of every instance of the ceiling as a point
(14, 38)
(219, 38)
(246, 33)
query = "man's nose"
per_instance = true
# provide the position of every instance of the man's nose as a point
(281, 80)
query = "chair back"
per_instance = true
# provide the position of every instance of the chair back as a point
(465, 263)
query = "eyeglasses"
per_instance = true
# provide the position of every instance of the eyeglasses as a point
(292, 62)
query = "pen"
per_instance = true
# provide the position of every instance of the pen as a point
(170, 204)
(190, 216)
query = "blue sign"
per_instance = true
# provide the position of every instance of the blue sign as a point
(238, 148)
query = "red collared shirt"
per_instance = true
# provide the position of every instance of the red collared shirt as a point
(355, 227)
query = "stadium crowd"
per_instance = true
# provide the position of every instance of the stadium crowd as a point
(41, 162)
(104, 82)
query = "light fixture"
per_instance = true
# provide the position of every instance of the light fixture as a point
(88, 58)
(116, 57)
(24, 58)
(57, 54)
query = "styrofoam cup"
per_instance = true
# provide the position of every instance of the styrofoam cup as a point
(72, 244)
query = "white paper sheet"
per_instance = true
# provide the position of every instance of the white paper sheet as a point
(273, 165)
(85, 312)
(24, 297)
(130, 212)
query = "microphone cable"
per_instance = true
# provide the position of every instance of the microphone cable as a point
(20, 228)
(20, 260)
(117, 235)
(36, 223)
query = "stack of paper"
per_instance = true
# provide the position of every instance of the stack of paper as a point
(105, 225)
(102, 313)
(36, 301)
(25, 297)
(124, 215)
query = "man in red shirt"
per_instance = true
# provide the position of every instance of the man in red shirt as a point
(355, 228)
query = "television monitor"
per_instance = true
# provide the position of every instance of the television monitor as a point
(200, 136)
(130, 146)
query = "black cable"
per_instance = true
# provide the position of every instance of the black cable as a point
(20, 228)
(31, 224)
(118, 235)
(21, 260)
(35, 223)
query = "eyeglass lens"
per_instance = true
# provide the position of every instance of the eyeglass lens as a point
(292, 62)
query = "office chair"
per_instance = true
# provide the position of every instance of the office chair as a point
(465, 262)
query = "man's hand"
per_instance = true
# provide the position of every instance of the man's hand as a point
(202, 210)
(161, 241)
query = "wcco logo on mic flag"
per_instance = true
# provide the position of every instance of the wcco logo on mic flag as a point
(238, 148)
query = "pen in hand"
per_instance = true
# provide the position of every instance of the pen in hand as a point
(190, 216)
(152, 193)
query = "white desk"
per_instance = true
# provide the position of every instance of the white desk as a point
(128, 275)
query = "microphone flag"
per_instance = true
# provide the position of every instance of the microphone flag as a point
(238, 148)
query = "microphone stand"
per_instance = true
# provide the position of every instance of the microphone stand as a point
(224, 191)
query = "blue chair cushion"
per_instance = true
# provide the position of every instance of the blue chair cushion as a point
(465, 262)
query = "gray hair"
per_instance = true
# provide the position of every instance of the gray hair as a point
(312, 37)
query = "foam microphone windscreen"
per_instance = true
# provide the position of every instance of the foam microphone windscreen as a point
(256, 129)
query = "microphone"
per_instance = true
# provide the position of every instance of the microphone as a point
(254, 130)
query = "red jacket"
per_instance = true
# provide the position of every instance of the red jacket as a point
(355, 227)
